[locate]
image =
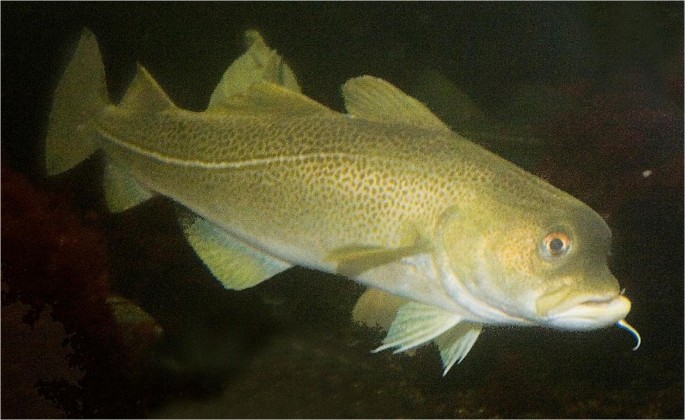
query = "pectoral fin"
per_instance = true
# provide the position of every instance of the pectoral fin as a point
(417, 324)
(234, 263)
(456, 343)
(377, 308)
(355, 259)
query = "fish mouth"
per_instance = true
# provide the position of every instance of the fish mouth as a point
(587, 313)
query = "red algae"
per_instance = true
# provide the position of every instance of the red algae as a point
(39, 346)
(51, 259)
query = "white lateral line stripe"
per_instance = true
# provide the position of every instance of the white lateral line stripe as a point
(225, 164)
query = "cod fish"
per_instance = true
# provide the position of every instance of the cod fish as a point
(447, 236)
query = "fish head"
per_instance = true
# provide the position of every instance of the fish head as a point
(514, 265)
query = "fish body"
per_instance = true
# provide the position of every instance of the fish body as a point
(447, 235)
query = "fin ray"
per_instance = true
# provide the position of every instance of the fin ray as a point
(417, 324)
(456, 343)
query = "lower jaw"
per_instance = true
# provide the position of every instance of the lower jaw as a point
(592, 316)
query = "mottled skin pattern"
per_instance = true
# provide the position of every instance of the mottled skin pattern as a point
(300, 186)
(448, 235)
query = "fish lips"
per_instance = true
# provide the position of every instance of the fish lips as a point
(584, 312)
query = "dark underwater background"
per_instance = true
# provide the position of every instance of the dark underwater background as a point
(114, 316)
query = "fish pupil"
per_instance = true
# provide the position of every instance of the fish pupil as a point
(556, 245)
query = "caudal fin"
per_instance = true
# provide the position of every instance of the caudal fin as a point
(80, 96)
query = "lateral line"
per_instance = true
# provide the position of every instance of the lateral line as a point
(222, 164)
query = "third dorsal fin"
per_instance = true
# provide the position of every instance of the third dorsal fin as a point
(144, 94)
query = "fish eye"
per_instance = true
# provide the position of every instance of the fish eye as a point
(555, 245)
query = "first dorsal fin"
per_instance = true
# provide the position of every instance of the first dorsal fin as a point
(144, 94)
(374, 99)
(259, 64)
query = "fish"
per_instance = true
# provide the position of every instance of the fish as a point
(447, 236)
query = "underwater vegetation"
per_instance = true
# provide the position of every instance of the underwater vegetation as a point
(39, 345)
(55, 285)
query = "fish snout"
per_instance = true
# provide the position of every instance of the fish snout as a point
(583, 312)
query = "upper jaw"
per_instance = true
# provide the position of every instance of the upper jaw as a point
(587, 312)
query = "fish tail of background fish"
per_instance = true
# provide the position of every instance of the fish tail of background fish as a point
(79, 98)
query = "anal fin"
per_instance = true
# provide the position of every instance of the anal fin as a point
(234, 263)
(122, 191)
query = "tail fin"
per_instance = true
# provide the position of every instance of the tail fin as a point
(80, 96)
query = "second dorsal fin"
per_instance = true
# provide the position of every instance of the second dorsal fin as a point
(259, 64)
(272, 98)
